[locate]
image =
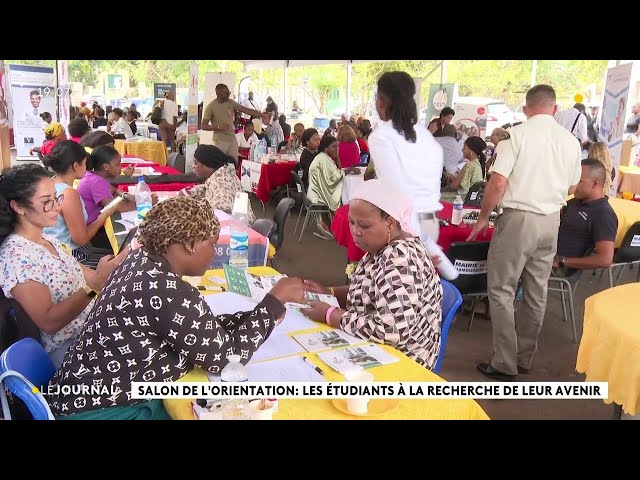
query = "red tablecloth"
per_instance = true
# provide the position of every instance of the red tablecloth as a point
(156, 187)
(272, 176)
(448, 235)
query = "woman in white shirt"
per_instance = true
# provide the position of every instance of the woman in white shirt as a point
(405, 153)
(248, 137)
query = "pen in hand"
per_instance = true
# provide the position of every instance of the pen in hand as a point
(317, 369)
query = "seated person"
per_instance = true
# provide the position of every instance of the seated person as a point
(100, 120)
(294, 143)
(325, 180)
(471, 173)
(69, 162)
(222, 182)
(118, 126)
(96, 191)
(53, 135)
(451, 149)
(362, 143)
(247, 138)
(310, 140)
(286, 128)
(136, 333)
(587, 224)
(348, 148)
(395, 295)
(36, 270)
(131, 120)
(78, 128)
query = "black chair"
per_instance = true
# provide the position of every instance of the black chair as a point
(280, 218)
(470, 258)
(627, 254)
(475, 194)
(264, 226)
(307, 205)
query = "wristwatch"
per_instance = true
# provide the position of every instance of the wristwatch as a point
(561, 262)
(89, 291)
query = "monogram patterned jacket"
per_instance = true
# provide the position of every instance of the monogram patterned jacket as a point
(150, 325)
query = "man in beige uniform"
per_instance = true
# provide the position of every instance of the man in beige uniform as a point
(533, 173)
(218, 117)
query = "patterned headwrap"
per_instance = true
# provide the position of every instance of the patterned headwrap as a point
(182, 220)
(53, 130)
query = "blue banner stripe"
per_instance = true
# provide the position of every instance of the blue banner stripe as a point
(611, 94)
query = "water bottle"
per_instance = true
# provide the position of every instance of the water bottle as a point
(143, 199)
(235, 371)
(445, 267)
(274, 144)
(456, 216)
(239, 241)
(262, 150)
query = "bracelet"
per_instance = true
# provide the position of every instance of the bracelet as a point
(327, 317)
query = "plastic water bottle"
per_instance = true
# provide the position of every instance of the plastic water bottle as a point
(274, 144)
(445, 267)
(456, 216)
(239, 240)
(143, 199)
(235, 371)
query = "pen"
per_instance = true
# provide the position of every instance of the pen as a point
(210, 289)
(317, 369)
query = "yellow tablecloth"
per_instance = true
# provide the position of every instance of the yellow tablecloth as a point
(610, 345)
(628, 213)
(151, 150)
(307, 409)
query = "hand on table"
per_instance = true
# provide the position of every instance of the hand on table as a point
(317, 311)
(289, 289)
(481, 225)
(314, 287)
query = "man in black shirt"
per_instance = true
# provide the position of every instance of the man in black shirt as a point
(588, 224)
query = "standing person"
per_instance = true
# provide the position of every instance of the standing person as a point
(218, 118)
(437, 125)
(272, 107)
(534, 170)
(250, 103)
(170, 115)
(405, 153)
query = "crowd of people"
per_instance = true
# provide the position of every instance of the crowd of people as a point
(108, 320)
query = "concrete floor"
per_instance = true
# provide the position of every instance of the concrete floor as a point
(555, 360)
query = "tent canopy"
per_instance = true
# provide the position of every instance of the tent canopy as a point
(258, 64)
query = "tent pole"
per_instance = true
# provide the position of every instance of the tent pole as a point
(348, 103)
(286, 78)
(443, 71)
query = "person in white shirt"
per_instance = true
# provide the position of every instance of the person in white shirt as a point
(170, 115)
(247, 138)
(535, 169)
(249, 102)
(118, 125)
(405, 154)
(575, 121)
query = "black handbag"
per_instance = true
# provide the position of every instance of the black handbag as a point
(475, 194)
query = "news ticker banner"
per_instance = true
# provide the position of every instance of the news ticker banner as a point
(404, 390)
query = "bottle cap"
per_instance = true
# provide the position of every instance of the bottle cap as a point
(140, 179)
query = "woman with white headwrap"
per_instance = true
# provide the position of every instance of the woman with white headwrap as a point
(395, 295)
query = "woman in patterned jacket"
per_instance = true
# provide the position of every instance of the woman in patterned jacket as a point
(148, 325)
(395, 296)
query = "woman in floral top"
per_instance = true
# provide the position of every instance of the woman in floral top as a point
(222, 180)
(36, 270)
(395, 295)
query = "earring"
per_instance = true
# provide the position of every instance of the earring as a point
(389, 238)
(190, 250)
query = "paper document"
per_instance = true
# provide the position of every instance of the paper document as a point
(318, 341)
(355, 358)
(293, 369)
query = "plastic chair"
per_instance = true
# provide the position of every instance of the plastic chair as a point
(451, 301)
(627, 254)
(307, 205)
(471, 285)
(264, 227)
(24, 366)
(567, 287)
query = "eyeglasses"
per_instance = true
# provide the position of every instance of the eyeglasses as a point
(49, 204)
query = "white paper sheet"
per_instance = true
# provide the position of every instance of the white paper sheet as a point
(293, 369)
(137, 160)
(276, 346)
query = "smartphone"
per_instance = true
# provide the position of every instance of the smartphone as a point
(112, 203)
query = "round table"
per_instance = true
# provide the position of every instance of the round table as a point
(610, 345)
(629, 179)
